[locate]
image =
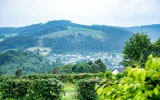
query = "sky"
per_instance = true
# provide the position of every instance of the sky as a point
(126, 13)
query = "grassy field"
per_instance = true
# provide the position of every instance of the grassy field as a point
(76, 30)
(70, 92)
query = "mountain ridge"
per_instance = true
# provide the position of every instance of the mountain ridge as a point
(81, 37)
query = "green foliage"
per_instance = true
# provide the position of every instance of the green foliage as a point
(29, 62)
(71, 78)
(108, 74)
(86, 91)
(156, 48)
(138, 84)
(118, 76)
(45, 89)
(136, 50)
(16, 89)
(98, 66)
(18, 73)
(90, 67)
(55, 70)
(18, 42)
(25, 89)
(100, 74)
(67, 69)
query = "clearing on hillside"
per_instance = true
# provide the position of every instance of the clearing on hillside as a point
(43, 50)
(76, 31)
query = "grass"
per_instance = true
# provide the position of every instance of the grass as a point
(69, 87)
(70, 92)
(76, 30)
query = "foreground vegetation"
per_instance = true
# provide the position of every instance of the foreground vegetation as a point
(33, 87)
(137, 84)
(134, 84)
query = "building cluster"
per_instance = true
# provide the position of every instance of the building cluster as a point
(111, 60)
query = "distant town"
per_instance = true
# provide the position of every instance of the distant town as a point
(112, 60)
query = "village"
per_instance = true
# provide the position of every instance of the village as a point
(111, 60)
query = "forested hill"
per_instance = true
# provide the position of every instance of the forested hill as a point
(152, 30)
(63, 35)
(29, 62)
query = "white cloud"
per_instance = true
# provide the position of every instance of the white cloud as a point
(108, 12)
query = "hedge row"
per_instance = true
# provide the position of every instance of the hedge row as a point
(86, 90)
(47, 86)
(71, 78)
(44, 89)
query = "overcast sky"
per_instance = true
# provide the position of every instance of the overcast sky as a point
(15, 13)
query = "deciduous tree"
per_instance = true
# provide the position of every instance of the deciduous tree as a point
(136, 50)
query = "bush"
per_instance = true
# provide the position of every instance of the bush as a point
(86, 90)
(37, 89)
(118, 76)
(16, 89)
(108, 74)
(71, 78)
(45, 89)
(100, 74)
(139, 84)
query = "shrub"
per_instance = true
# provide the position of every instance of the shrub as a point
(16, 89)
(139, 84)
(100, 74)
(118, 76)
(45, 89)
(37, 89)
(86, 91)
(108, 74)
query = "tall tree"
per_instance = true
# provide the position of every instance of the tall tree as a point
(156, 48)
(98, 66)
(18, 73)
(136, 50)
(67, 68)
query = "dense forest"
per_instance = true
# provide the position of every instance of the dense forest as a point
(29, 62)
(33, 63)
(113, 38)
(81, 67)
(82, 43)
(18, 42)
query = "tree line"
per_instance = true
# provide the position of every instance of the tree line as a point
(89, 67)
(34, 63)
(18, 42)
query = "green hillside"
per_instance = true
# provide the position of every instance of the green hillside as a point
(76, 31)
(29, 62)
(153, 31)
(63, 35)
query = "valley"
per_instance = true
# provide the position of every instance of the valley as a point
(62, 42)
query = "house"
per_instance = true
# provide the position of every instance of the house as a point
(118, 70)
